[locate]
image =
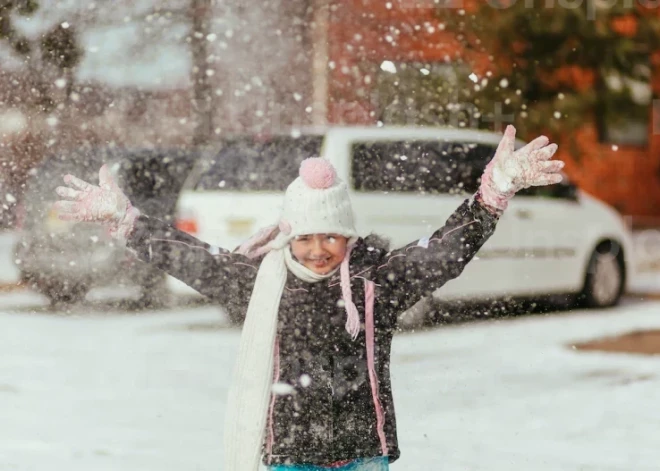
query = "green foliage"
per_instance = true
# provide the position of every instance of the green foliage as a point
(553, 68)
(59, 47)
(7, 31)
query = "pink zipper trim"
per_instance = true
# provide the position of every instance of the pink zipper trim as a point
(373, 378)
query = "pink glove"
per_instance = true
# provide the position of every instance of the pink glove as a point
(105, 204)
(513, 170)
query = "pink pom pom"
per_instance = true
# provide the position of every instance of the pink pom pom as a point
(317, 173)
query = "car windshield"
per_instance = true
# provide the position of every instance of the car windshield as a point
(248, 164)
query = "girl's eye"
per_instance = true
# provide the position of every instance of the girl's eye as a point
(332, 240)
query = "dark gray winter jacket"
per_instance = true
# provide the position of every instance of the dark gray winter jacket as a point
(341, 406)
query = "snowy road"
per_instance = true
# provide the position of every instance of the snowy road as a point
(109, 391)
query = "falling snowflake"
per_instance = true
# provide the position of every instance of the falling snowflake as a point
(282, 389)
(388, 66)
(305, 380)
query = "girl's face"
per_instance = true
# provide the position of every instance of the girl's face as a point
(320, 253)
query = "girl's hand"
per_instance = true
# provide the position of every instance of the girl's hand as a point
(513, 170)
(105, 204)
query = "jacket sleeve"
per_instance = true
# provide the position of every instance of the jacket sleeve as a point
(420, 268)
(224, 277)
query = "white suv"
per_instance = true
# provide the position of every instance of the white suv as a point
(404, 183)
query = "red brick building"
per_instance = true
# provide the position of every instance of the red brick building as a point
(354, 37)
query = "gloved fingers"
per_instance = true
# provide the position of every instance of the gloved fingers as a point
(69, 193)
(536, 144)
(508, 140)
(547, 179)
(77, 183)
(546, 152)
(106, 181)
(552, 166)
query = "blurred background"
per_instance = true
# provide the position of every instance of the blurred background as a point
(184, 73)
(182, 97)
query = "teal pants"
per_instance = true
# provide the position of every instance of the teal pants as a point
(367, 464)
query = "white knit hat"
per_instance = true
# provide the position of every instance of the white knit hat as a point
(317, 202)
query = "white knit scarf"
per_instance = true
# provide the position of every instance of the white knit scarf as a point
(250, 390)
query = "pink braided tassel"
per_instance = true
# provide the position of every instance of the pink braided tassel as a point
(353, 317)
(256, 245)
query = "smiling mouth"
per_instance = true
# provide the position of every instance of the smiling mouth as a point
(320, 263)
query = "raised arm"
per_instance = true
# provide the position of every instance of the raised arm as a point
(225, 277)
(422, 267)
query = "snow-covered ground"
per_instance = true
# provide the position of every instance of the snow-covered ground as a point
(8, 271)
(108, 390)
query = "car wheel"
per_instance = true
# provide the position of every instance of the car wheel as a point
(154, 292)
(62, 292)
(605, 278)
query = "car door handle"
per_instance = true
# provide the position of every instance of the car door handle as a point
(524, 214)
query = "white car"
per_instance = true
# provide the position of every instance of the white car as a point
(404, 184)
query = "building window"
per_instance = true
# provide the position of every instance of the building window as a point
(623, 110)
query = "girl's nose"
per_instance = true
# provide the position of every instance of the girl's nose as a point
(317, 248)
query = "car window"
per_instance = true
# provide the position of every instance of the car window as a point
(433, 167)
(256, 165)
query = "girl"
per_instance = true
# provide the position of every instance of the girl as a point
(311, 387)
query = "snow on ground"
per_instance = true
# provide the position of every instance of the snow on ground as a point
(646, 282)
(110, 390)
(8, 271)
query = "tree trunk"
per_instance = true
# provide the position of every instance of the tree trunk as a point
(201, 13)
(318, 32)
